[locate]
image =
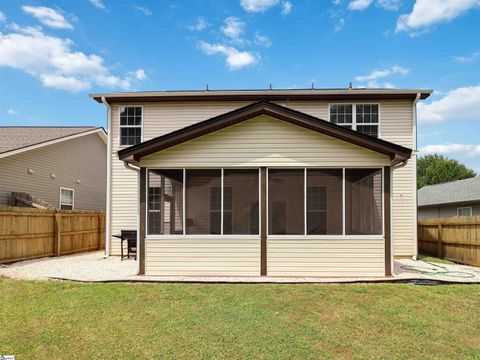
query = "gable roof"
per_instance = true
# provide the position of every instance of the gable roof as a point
(16, 139)
(133, 154)
(467, 190)
(259, 95)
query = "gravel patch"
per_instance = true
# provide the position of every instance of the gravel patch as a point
(94, 267)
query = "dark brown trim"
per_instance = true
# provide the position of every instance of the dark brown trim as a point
(263, 218)
(133, 154)
(142, 232)
(388, 221)
(274, 95)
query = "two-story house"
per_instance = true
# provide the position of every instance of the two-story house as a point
(317, 182)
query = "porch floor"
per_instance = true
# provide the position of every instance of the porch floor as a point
(93, 267)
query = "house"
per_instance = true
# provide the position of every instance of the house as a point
(53, 167)
(454, 198)
(315, 182)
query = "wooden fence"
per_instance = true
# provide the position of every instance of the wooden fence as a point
(455, 238)
(32, 233)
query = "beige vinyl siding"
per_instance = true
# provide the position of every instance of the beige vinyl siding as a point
(326, 257)
(429, 212)
(205, 256)
(265, 141)
(83, 158)
(162, 118)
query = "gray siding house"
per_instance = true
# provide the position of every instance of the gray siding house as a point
(55, 167)
(455, 198)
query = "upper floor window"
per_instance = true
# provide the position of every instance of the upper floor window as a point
(361, 117)
(130, 125)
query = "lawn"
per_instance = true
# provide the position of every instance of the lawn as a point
(61, 320)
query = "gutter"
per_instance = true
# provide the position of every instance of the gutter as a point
(108, 222)
(415, 195)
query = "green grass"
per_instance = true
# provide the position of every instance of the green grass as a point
(61, 320)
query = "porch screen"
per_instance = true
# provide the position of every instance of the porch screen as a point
(203, 201)
(363, 202)
(324, 201)
(240, 202)
(286, 201)
(165, 202)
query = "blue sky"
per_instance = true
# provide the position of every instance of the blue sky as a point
(54, 53)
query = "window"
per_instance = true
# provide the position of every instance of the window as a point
(66, 199)
(130, 125)
(165, 202)
(464, 211)
(203, 201)
(324, 201)
(240, 202)
(286, 201)
(363, 202)
(363, 118)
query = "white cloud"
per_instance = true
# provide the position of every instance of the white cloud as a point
(391, 5)
(378, 74)
(426, 13)
(201, 25)
(286, 7)
(53, 61)
(464, 149)
(144, 10)
(140, 74)
(359, 4)
(262, 40)
(233, 28)
(339, 25)
(11, 112)
(2, 17)
(467, 59)
(258, 5)
(457, 104)
(48, 17)
(98, 4)
(235, 59)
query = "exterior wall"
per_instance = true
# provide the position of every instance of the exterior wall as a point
(265, 141)
(162, 118)
(325, 257)
(203, 256)
(428, 212)
(82, 158)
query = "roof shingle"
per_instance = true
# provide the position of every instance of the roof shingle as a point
(451, 192)
(17, 137)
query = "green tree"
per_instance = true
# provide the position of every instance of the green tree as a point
(436, 169)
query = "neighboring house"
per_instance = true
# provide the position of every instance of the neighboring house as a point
(264, 182)
(60, 167)
(454, 198)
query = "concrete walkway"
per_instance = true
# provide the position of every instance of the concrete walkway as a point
(93, 267)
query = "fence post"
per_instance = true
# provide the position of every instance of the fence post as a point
(439, 240)
(99, 232)
(58, 234)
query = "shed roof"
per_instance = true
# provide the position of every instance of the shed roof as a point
(467, 190)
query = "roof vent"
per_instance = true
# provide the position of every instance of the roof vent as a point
(350, 87)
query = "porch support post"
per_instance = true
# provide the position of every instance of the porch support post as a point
(142, 213)
(263, 225)
(387, 213)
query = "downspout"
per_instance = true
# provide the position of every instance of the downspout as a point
(108, 222)
(415, 198)
(137, 170)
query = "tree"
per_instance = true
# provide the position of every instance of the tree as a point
(436, 169)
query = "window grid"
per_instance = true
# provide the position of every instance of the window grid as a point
(363, 118)
(131, 120)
